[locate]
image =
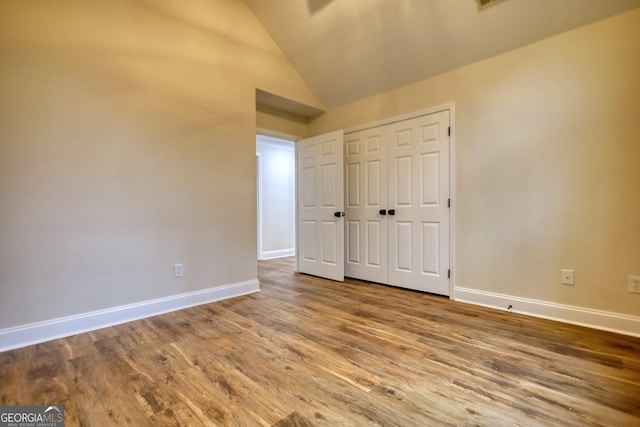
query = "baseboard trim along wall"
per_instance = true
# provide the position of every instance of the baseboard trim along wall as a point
(597, 319)
(278, 254)
(35, 333)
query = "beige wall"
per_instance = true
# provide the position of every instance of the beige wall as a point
(280, 126)
(547, 163)
(127, 144)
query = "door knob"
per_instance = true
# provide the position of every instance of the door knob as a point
(338, 214)
(382, 211)
(391, 211)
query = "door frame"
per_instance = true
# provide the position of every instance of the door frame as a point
(259, 202)
(451, 106)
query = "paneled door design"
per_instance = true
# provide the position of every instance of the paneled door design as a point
(397, 193)
(321, 206)
(418, 203)
(366, 204)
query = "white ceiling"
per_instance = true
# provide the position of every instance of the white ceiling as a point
(349, 49)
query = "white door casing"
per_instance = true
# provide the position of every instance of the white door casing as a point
(320, 197)
(418, 179)
(366, 197)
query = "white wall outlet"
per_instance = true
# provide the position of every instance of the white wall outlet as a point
(178, 270)
(567, 277)
(634, 284)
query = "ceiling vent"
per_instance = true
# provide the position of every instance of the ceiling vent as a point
(483, 4)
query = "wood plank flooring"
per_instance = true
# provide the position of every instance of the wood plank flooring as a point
(311, 352)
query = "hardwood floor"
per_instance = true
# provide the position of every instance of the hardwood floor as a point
(311, 352)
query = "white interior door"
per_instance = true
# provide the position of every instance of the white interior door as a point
(418, 199)
(366, 204)
(321, 206)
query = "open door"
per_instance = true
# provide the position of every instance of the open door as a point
(321, 206)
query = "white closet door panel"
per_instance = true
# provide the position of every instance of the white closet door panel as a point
(430, 174)
(329, 243)
(373, 183)
(365, 172)
(353, 185)
(353, 251)
(419, 191)
(373, 242)
(403, 246)
(309, 187)
(404, 183)
(430, 238)
(321, 194)
(308, 238)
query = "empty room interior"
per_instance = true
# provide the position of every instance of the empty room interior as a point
(459, 244)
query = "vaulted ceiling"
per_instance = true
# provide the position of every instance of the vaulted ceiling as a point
(349, 49)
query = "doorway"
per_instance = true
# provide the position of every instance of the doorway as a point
(276, 201)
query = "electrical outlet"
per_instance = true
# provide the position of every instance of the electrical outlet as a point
(567, 277)
(634, 284)
(178, 270)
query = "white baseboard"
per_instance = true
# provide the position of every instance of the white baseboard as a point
(597, 319)
(34, 333)
(278, 254)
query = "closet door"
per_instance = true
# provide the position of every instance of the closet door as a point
(366, 204)
(418, 201)
(320, 206)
